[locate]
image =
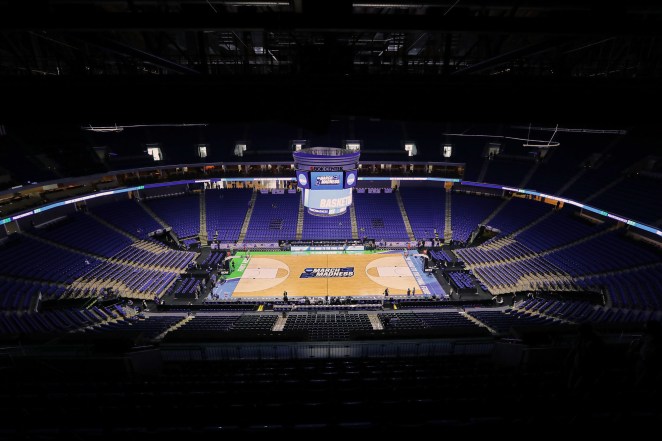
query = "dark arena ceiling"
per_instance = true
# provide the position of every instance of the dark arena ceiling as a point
(301, 60)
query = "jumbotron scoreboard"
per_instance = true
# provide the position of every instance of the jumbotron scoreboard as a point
(326, 176)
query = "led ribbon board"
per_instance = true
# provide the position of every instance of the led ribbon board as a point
(337, 201)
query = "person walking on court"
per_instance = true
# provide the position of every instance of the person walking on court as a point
(413, 291)
(408, 292)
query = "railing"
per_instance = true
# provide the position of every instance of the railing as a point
(326, 350)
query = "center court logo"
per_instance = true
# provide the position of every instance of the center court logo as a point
(310, 273)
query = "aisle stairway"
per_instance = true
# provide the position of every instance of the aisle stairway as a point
(64, 247)
(607, 187)
(352, 216)
(154, 215)
(525, 180)
(377, 324)
(176, 326)
(247, 219)
(495, 212)
(203, 219)
(570, 182)
(280, 324)
(300, 218)
(405, 218)
(448, 227)
(111, 226)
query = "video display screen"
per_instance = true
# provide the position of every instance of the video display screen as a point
(326, 180)
(327, 201)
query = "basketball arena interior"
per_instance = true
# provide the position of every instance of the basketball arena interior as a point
(307, 217)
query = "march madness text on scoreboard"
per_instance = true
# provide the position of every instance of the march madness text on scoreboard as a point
(328, 180)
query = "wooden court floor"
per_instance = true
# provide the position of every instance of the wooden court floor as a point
(271, 275)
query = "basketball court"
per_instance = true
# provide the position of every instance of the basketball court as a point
(319, 275)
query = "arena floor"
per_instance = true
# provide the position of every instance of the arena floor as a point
(269, 275)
